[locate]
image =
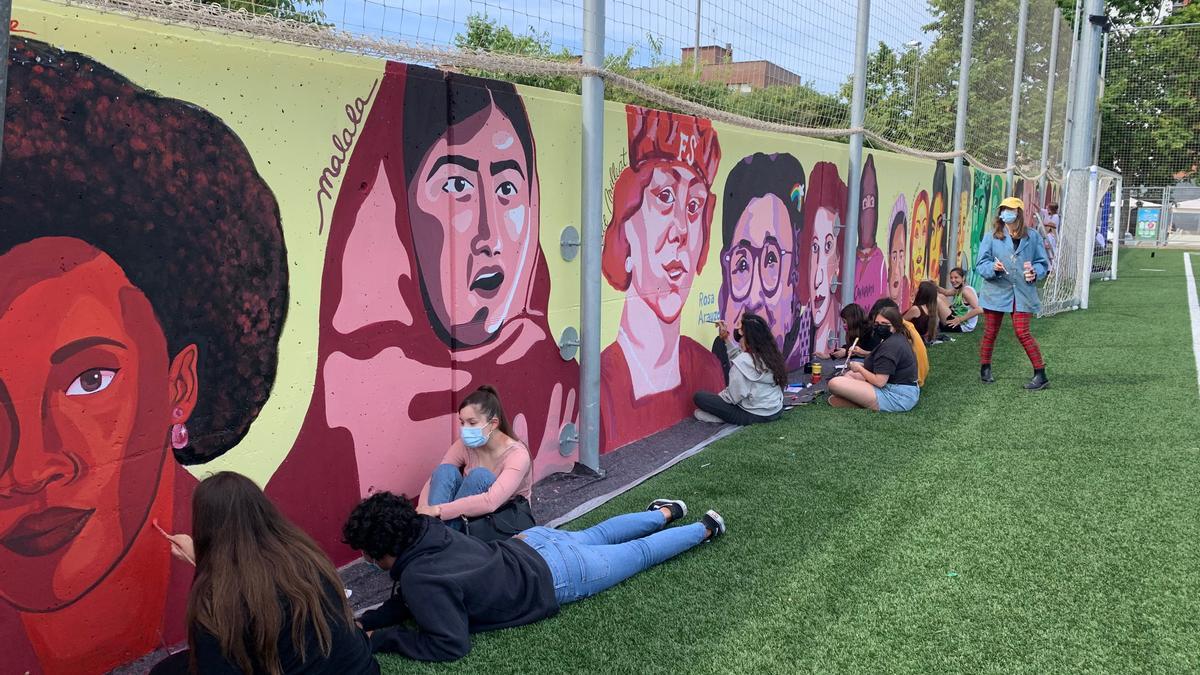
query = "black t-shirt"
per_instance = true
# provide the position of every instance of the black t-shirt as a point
(894, 358)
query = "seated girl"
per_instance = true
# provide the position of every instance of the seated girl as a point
(887, 380)
(265, 599)
(858, 330)
(924, 311)
(483, 470)
(757, 375)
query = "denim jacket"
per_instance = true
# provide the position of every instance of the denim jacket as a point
(1008, 291)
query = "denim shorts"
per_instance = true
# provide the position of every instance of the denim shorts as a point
(897, 397)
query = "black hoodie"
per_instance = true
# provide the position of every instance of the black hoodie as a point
(453, 585)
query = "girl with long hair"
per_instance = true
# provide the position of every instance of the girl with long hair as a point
(887, 380)
(860, 337)
(484, 469)
(1011, 262)
(265, 598)
(924, 311)
(757, 376)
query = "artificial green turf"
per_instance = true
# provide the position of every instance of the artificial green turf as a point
(1068, 516)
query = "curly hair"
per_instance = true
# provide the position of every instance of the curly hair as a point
(171, 194)
(381, 525)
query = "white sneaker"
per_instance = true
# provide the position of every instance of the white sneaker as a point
(707, 417)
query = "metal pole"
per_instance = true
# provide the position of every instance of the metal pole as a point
(6, 16)
(1099, 96)
(858, 105)
(1048, 117)
(593, 235)
(1071, 72)
(696, 52)
(960, 125)
(1119, 219)
(1086, 84)
(912, 136)
(1089, 246)
(1015, 109)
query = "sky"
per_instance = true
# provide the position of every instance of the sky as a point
(812, 38)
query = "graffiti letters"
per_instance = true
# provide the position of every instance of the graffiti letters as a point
(341, 144)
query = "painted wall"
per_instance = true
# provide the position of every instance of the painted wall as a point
(217, 253)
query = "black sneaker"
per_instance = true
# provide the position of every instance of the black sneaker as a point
(985, 374)
(1038, 382)
(678, 508)
(715, 524)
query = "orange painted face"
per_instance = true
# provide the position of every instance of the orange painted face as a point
(920, 238)
(87, 398)
(937, 229)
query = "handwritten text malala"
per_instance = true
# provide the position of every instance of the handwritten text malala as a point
(341, 144)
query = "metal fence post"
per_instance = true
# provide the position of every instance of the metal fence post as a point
(696, 51)
(1015, 109)
(593, 235)
(1048, 117)
(6, 16)
(1086, 79)
(960, 127)
(1118, 220)
(1089, 244)
(858, 106)
(1069, 116)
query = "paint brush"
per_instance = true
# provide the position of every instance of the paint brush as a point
(850, 354)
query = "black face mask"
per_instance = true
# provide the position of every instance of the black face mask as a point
(883, 332)
(737, 334)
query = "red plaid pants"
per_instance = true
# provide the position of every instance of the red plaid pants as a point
(991, 328)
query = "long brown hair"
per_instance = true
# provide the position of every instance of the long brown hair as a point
(857, 325)
(248, 558)
(927, 298)
(487, 399)
(1018, 226)
(760, 343)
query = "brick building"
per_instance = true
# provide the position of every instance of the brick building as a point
(717, 65)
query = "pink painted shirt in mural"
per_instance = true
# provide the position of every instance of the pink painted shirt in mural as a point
(513, 477)
(627, 419)
(870, 278)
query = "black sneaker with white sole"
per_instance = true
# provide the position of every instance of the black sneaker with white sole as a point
(715, 524)
(678, 508)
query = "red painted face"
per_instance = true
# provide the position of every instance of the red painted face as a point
(87, 399)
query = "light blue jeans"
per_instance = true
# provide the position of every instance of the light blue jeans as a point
(589, 561)
(448, 484)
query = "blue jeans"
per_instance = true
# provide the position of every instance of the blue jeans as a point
(600, 557)
(448, 484)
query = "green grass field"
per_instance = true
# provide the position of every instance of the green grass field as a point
(989, 530)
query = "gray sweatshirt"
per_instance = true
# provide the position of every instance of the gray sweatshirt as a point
(751, 389)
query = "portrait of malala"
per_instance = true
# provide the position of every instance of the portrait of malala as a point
(143, 285)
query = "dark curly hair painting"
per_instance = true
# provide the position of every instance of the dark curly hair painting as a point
(143, 287)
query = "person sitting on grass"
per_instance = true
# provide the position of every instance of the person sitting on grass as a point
(922, 315)
(483, 471)
(914, 338)
(958, 306)
(757, 376)
(887, 380)
(858, 330)
(451, 585)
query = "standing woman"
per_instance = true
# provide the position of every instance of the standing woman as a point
(1011, 262)
(265, 599)
(757, 376)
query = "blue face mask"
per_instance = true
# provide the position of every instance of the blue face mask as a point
(474, 437)
(1008, 217)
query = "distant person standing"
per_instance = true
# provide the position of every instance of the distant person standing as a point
(1011, 262)
(1052, 224)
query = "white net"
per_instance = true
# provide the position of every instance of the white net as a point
(1077, 249)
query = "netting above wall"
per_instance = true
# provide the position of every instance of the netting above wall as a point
(784, 66)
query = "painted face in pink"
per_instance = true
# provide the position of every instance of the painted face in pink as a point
(665, 237)
(823, 263)
(474, 210)
(759, 266)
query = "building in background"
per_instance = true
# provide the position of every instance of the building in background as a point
(717, 65)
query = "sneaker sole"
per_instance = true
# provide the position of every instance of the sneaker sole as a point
(659, 503)
(716, 518)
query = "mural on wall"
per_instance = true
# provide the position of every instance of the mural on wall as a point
(824, 213)
(918, 269)
(870, 271)
(143, 286)
(964, 251)
(761, 227)
(937, 226)
(654, 247)
(434, 284)
(898, 287)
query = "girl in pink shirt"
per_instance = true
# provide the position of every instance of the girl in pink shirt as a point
(484, 469)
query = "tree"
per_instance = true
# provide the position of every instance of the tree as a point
(304, 11)
(1151, 105)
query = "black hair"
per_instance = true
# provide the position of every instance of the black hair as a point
(761, 345)
(857, 324)
(381, 525)
(487, 399)
(880, 305)
(892, 314)
(759, 175)
(171, 194)
(961, 272)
